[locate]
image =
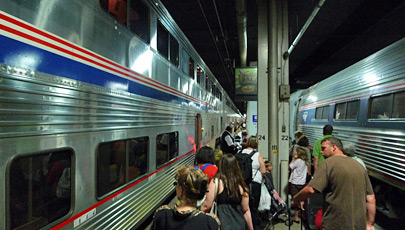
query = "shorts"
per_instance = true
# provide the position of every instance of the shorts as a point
(295, 188)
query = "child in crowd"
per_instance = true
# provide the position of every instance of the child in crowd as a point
(269, 180)
(268, 176)
(205, 160)
(299, 170)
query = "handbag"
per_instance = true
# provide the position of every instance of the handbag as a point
(265, 199)
(214, 207)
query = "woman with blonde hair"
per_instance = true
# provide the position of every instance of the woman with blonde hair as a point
(191, 185)
(299, 170)
(258, 170)
(232, 196)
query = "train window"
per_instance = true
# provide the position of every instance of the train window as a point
(381, 107)
(207, 83)
(325, 112)
(347, 110)
(166, 40)
(202, 77)
(322, 112)
(200, 73)
(137, 157)
(318, 113)
(340, 111)
(139, 20)
(166, 147)
(184, 61)
(388, 106)
(119, 162)
(40, 189)
(174, 50)
(213, 88)
(399, 105)
(352, 110)
(110, 166)
(162, 40)
(191, 68)
(117, 8)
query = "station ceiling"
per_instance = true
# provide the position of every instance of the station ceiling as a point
(342, 33)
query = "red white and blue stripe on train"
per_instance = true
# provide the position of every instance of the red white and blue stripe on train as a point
(25, 46)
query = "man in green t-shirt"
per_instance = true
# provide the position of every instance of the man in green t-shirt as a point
(349, 200)
(318, 158)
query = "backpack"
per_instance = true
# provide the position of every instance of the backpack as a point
(201, 202)
(245, 165)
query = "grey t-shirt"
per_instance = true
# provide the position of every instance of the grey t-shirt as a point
(344, 185)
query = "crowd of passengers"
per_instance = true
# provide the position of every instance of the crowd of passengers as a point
(215, 195)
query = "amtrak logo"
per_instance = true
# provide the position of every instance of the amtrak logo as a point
(304, 116)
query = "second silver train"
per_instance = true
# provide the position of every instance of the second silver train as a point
(365, 103)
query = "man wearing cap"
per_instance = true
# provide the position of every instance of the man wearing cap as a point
(349, 201)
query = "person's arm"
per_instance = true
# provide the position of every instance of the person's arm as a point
(262, 167)
(229, 141)
(209, 196)
(309, 169)
(246, 211)
(304, 194)
(292, 165)
(316, 152)
(370, 205)
(316, 159)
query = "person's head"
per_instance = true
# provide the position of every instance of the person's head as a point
(244, 133)
(269, 166)
(230, 174)
(303, 141)
(191, 184)
(349, 148)
(301, 153)
(205, 155)
(331, 146)
(298, 134)
(228, 128)
(252, 142)
(327, 130)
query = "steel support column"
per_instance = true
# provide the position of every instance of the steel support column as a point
(262, 80)
(273, 90)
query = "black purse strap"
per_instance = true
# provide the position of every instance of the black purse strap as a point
(251, 155)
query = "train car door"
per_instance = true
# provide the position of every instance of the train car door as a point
(198, 132)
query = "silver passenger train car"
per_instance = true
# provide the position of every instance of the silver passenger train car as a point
(100, 102)
(365, 104)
